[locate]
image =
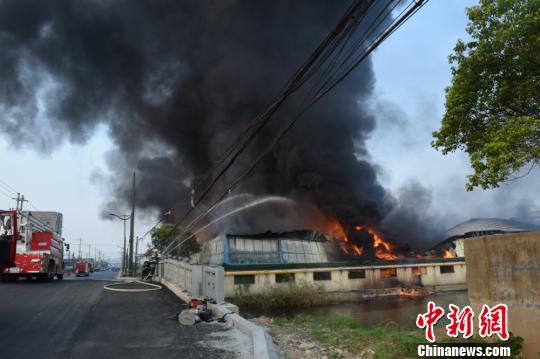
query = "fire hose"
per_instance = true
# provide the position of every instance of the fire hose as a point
(109, 286)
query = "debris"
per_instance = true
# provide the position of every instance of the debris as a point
(188, 317)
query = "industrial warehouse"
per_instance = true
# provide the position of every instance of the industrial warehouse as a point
(255, 263)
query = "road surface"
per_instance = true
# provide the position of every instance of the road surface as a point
(77, 318)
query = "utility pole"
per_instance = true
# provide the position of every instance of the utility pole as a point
(17, 199)
(89, 250)
(20, 201)
(136, 253)
(124, 218)
(131, 229)
(80, 240)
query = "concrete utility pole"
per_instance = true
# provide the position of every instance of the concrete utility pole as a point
(131, 229)
(17, 199)
(20, 202)
(136, 254)
(80, 240)
(124, 218)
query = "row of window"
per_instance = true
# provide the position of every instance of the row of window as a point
(322, 276)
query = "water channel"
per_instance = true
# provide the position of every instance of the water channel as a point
(376, 312)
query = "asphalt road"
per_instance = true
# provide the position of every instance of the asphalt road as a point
(77, 318)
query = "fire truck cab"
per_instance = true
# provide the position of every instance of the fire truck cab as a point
(31, 245)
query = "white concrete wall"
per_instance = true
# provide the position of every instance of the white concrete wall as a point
(434, 277)
(340, 282)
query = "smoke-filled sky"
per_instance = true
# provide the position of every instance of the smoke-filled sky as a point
(90, 92)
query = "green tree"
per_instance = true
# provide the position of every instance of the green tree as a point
(493, 103)
(164, 235)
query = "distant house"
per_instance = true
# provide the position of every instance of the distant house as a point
(481, 227)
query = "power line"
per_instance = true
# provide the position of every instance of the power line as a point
(345, 26)
(325, 89)
(8, 187)
(333, 75)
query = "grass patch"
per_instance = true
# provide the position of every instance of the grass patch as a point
(387, 342)
(291, 295)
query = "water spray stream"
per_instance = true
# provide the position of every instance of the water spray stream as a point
(204, 214)
(219, 204)
(257, 202)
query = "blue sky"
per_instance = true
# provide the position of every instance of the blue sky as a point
(411, 71)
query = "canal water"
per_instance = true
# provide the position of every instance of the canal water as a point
(400, 311)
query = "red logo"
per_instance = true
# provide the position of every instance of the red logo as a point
(491, 321)
(494, 321)
(460, 321)
(429, 319)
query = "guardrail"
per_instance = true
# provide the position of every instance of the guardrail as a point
(198, 280)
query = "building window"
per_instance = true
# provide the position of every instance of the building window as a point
(446, 269)
(357, 274)
(244, 279)
(322, 275)
(388, 272)
(284, 277)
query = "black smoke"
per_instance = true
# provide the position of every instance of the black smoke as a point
(174, 82)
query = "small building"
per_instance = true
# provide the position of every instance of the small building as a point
(476, 227)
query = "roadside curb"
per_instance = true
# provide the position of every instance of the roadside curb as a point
(261, 343)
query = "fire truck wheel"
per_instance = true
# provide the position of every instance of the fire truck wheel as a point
(60, 276)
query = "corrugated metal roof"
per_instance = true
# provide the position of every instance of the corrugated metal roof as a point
(489, 225)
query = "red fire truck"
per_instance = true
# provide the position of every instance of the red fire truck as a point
(82, 268)
(31, 245)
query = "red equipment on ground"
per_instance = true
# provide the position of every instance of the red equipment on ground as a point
(82, 269)
(31, 245)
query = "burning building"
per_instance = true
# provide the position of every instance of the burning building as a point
(356, 261)
(301, 246)
(269, 248)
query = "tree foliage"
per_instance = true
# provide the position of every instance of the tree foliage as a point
(164, 235)
(493, 103)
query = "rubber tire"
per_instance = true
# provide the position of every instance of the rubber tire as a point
(59, 276)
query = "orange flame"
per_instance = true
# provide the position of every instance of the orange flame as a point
(383, 249)
(336, 231)
(448, 254)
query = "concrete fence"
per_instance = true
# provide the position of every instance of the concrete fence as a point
(437, 275)
(198, 280)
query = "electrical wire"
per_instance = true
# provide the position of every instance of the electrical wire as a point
(328, 87)
(332, 76)
(345, 26)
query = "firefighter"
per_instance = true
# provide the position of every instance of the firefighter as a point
(150, 265)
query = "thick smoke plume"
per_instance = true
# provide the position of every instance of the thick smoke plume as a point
(175, 81)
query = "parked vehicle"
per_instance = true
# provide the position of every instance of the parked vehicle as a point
(31, 245)
(82, 269)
